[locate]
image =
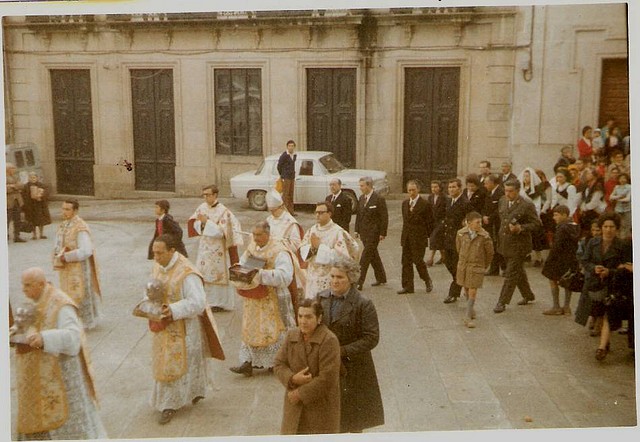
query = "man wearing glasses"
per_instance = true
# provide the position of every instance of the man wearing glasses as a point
(220, 236)
(322, 243)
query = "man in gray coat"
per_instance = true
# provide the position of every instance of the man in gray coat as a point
(518, 218)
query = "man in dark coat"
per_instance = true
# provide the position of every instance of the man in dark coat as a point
(354, 321)
(507, 174)
(342, 209)
(372, 220)
(475, 193)
(518, 219)
(491, 220)
(457, 209)
(562, 257)
(166, 224)
(287, 171)
(417, 223)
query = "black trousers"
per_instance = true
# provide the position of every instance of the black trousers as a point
(451, 262)
(413, 254)
(371, 256)
(515, 276)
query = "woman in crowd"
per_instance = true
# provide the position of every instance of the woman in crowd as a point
(609, 185)
(601, 260)
(583, 311)
(565, 193)
(36, 205)
(308, 365)
(438, 203)
(592, 203)
(621, 196)
(353, 319)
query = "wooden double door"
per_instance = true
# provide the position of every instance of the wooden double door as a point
(431, 108)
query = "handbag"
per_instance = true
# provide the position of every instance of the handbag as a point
(572, 280)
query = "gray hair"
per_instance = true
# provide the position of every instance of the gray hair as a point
(367, 180)
(335, 180)
(348, 266)
(263, 225)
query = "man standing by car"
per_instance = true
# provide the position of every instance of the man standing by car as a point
(372, 220)
(341, 204)
(287, 171)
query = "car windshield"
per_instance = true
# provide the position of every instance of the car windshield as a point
(331, 163)
(259, 171)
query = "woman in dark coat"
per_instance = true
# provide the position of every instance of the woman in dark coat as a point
(308, 365)
(438, 203)
(353, 319)
(562, 257)
(166, 224)
(601, 261)
(36, 205)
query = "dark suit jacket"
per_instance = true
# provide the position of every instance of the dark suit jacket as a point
(524, 213)
(417, 224)
(490, 209)
(617, 253)
(287, 166)
(511, 177)
(476, 202)
(372, 220)
(453, 219)
(439, 208)
(170, 226)
(341, 210)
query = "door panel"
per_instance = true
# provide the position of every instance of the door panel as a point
(153, 129)
(73, 130)
(331, 112)
(431, 98)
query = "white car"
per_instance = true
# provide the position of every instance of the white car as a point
(314, 170)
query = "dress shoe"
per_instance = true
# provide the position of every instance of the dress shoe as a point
(601, 353)
(404, 291)
(245, 369)
(450, 299)
(196, 399)
(555, 311)
(428, 285)
(377, 283)
(19, 240)
(499, 308)
(166, 416)
(525, 301)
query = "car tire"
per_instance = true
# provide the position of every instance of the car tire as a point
(354, 200)
(258, 200)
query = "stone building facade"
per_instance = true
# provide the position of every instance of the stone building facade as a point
(194, 98)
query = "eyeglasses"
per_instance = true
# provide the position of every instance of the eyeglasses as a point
(320, 212)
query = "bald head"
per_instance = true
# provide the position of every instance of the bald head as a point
(33, 282)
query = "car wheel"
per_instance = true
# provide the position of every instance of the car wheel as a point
(354, 200)
(258, 200)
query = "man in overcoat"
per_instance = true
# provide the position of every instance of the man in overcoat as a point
(342, 209)
(417, 223)
(457, 209)
(372, 220)
(518, 219)
(491, 220)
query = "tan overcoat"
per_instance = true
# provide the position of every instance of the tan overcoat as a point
(318, 412)
(474, 257)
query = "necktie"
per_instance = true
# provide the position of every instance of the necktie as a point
(510, 204)
(333, 198)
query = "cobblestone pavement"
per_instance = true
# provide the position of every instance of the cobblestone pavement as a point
(516, 370)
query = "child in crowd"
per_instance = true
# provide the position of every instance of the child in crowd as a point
(475, 249)
(622, 196)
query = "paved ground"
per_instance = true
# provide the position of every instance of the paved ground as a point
(435, 375)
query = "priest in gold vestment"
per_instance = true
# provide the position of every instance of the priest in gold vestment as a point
(56, 395)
